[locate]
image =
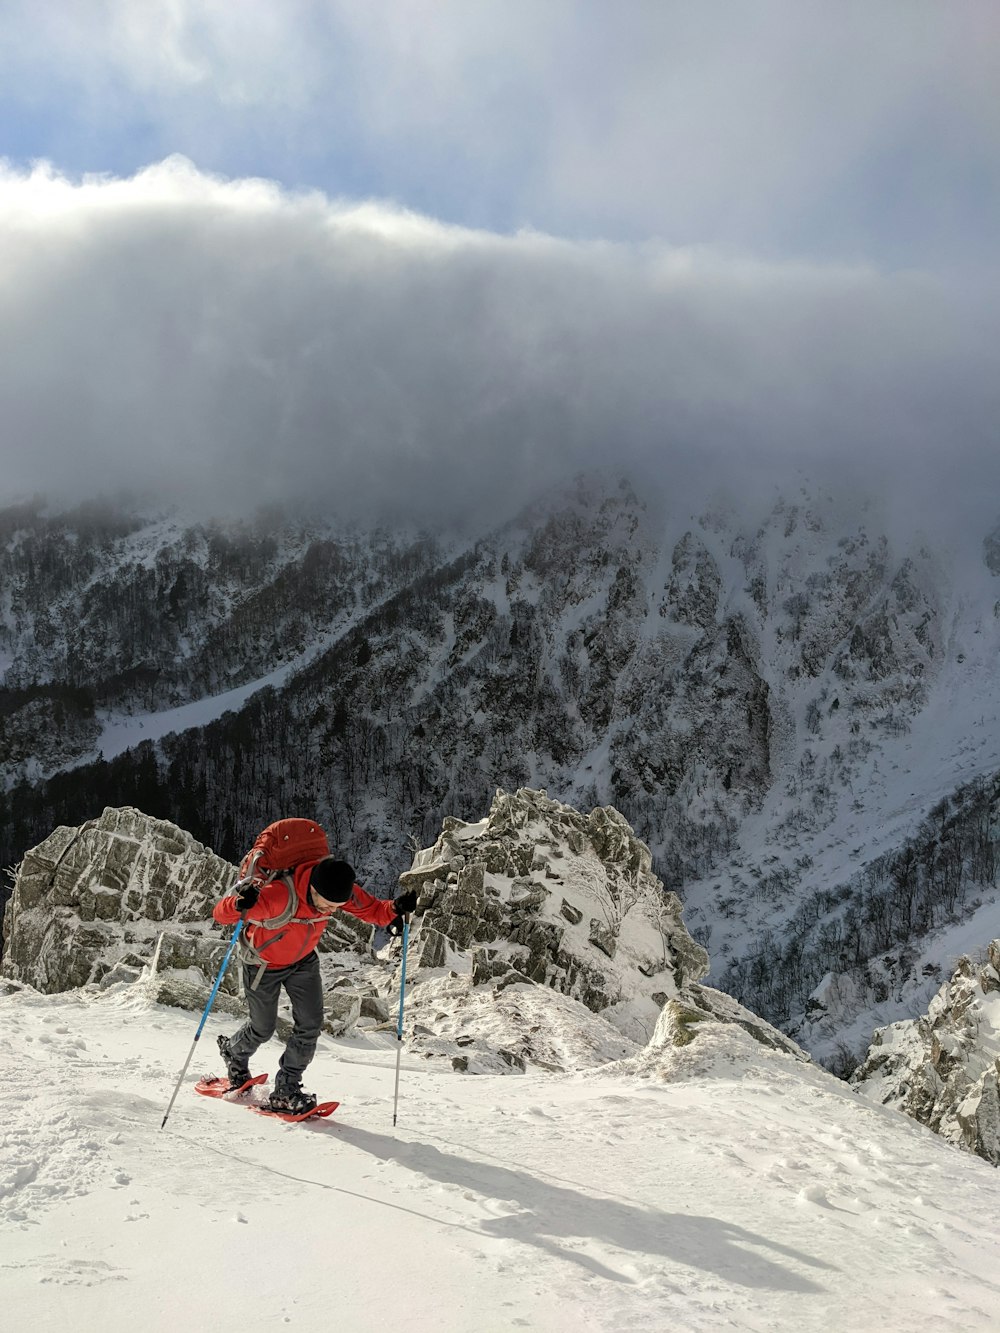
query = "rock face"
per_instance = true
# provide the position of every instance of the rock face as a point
(540, 892)
(944, 1069)
(97, 904)
(91, 899)
(545, 940)
(542, 937)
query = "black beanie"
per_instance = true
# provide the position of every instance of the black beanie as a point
(332, 880)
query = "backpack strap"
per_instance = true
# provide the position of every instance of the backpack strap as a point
(288, 911)
(254, 953)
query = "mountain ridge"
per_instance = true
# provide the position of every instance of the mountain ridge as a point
(763, 700)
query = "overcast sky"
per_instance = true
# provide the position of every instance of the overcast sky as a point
(416, 254)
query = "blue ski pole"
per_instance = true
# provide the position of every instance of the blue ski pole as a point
(204, 1017)
(399, 1024)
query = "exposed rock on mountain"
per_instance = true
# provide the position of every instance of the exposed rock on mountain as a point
(96, 904)
(536, 908)
(944, 1068)
(696, 1042)
(93, 899)
(540, 892)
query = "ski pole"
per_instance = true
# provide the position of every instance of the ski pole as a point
(399, 1024)
(204, 1017)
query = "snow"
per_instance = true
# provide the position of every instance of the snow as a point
(120, 732)
(879, 792)
(728, 1187)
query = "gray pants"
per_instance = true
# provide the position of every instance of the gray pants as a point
(304, 989)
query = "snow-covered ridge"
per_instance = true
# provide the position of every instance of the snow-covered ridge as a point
(535, 907)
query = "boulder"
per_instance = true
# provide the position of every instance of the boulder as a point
(89, 901)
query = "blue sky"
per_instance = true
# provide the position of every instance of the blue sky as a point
(594, 179)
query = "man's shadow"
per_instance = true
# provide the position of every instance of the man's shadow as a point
(537, 1212)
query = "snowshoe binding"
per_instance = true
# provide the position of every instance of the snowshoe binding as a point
(237, 1070)
(290, 1100)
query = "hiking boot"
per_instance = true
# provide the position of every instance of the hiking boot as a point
(237, 1069)
(290, 1100)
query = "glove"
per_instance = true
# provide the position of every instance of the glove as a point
(406, 902)
(246, 896)
(395, 926)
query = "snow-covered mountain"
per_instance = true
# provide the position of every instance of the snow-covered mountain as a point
(796, 709)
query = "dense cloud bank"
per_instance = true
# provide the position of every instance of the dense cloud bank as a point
(234, 343)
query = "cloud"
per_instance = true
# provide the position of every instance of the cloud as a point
(232, 343)
(787, 127)
(164, 47)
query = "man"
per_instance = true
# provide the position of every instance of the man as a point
(284, 921)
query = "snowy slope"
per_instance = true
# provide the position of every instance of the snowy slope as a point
(744, 1191)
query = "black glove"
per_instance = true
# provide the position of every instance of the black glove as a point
(395, 926)
(246, 896)
(406, 902)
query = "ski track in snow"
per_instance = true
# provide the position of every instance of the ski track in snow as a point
(759, 1195)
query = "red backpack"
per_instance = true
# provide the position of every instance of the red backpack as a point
(282, 846)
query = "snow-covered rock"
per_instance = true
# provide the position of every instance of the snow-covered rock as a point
(122, 895)
(538, 891)
(92, 899)
(705, 1042)
(944, 1068)
(543, 938)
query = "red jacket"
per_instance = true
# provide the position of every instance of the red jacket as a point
(300, 936)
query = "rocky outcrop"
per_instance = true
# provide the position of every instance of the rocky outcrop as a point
(545, 940)
(126, 894)
(542, 937)
(944, 1069)
(539, 892)
(678, 1024)
(97, 897)
(705, 1030)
